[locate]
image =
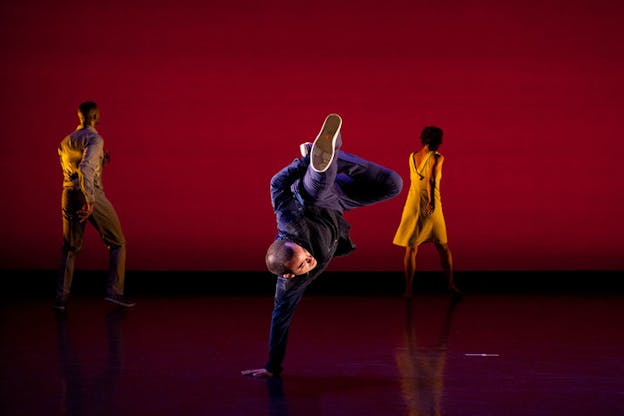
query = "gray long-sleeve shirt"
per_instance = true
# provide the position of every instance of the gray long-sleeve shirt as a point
(81, 154)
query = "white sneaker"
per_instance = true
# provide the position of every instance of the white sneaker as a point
(324, 146)
(305, 148)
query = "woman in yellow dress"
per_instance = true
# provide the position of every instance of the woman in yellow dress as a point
(422, 220)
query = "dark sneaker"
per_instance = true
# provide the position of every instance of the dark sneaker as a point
(324, 146)
(60, 305)
(120, 300)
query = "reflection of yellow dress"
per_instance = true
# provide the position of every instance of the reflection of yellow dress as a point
(421, 367)
(416, 227)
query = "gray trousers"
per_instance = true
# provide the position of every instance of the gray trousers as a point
(105, 220)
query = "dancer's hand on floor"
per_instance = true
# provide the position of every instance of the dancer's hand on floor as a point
(258, 372)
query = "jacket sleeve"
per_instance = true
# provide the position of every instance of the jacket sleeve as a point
(288, 294)
(88, 167)
(282, 195)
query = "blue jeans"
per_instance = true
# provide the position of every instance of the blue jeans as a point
(349, 183)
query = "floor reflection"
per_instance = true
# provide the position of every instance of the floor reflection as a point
(559, 355)
(84, 393)
(315, 395)
(277, 400)
(421, 364)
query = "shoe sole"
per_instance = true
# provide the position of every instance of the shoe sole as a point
(117, 302)
(324, 145)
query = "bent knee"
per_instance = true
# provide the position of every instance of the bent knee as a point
(71, 249)
(394, 183)
(117, 245)
(442, 246)
(411, 251)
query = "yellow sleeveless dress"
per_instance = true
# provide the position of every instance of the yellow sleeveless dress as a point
(416, 227)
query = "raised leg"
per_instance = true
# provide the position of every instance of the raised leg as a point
(360, 182)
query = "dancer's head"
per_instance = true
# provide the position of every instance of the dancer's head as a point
(431, 136)
(287, 259)
(88, 113)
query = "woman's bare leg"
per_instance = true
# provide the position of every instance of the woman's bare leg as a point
(409, 268)
(446, 260)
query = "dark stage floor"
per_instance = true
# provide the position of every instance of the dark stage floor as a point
(491, 354)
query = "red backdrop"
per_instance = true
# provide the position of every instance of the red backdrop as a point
(202, 103)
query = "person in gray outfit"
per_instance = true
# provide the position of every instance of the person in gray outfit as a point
(82, 157)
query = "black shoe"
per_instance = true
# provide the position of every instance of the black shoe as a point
(456, 295)
(60, 305)
(120, 300)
